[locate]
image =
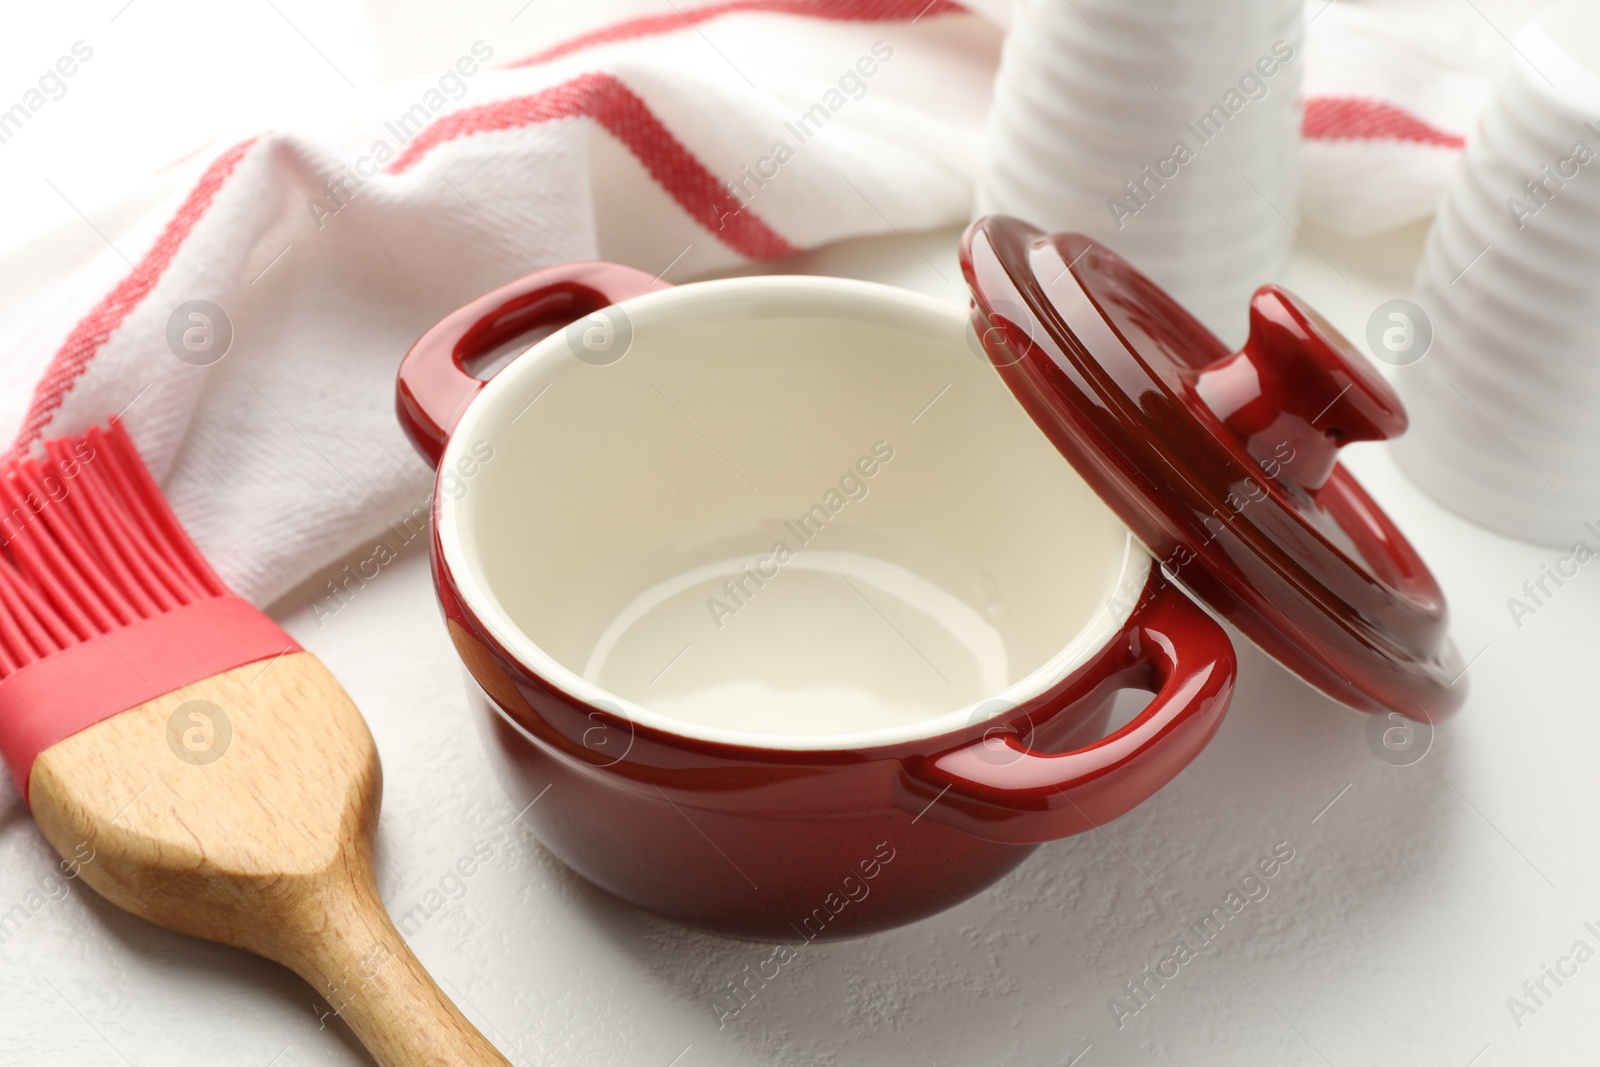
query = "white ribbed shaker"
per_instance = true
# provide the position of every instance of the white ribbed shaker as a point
(1167, 129)
(1505, 406)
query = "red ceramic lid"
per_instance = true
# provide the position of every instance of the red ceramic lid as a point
(1224, 464)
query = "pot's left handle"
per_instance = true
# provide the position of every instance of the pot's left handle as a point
(434, 387)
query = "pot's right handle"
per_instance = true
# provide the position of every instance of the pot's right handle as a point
(999, 789)
(434, 387)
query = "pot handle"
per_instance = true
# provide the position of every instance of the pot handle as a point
(434, 388)
(998, 789)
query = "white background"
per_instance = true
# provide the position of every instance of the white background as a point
(1414, 907)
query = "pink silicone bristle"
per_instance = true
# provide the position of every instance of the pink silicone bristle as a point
(16, 647)
(42, 626)
(90, 546)
(30, 628)
(24, 557)
(39, 555)
(75, 567)
(150, 509)
(112, 487)
(100, 514)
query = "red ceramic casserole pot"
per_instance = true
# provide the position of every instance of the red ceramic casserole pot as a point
(851, 731)
(781, 615)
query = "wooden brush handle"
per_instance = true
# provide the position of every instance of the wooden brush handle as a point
(348, 949)
(242, 809)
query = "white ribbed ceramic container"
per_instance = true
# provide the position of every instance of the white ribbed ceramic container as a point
(1505, 407)
(1094, 99)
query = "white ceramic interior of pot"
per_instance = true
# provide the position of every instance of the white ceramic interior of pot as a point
(940, 560)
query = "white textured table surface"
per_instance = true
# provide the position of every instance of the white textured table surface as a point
(1418, 899)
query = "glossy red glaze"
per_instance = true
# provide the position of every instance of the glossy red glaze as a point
(434, 387)
(812, 844)
(1223, 464)
(778, 844)
(1006, 789)
(1273, 390)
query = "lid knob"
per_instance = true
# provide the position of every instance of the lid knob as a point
(1298, 391)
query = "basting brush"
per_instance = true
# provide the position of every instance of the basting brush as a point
(217, 777)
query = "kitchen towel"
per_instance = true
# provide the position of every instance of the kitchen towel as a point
(247, 311)
(314, 257)
(1393, 88)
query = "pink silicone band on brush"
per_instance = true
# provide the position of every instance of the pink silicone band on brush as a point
(53, 698)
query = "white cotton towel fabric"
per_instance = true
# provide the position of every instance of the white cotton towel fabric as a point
(331, 250)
